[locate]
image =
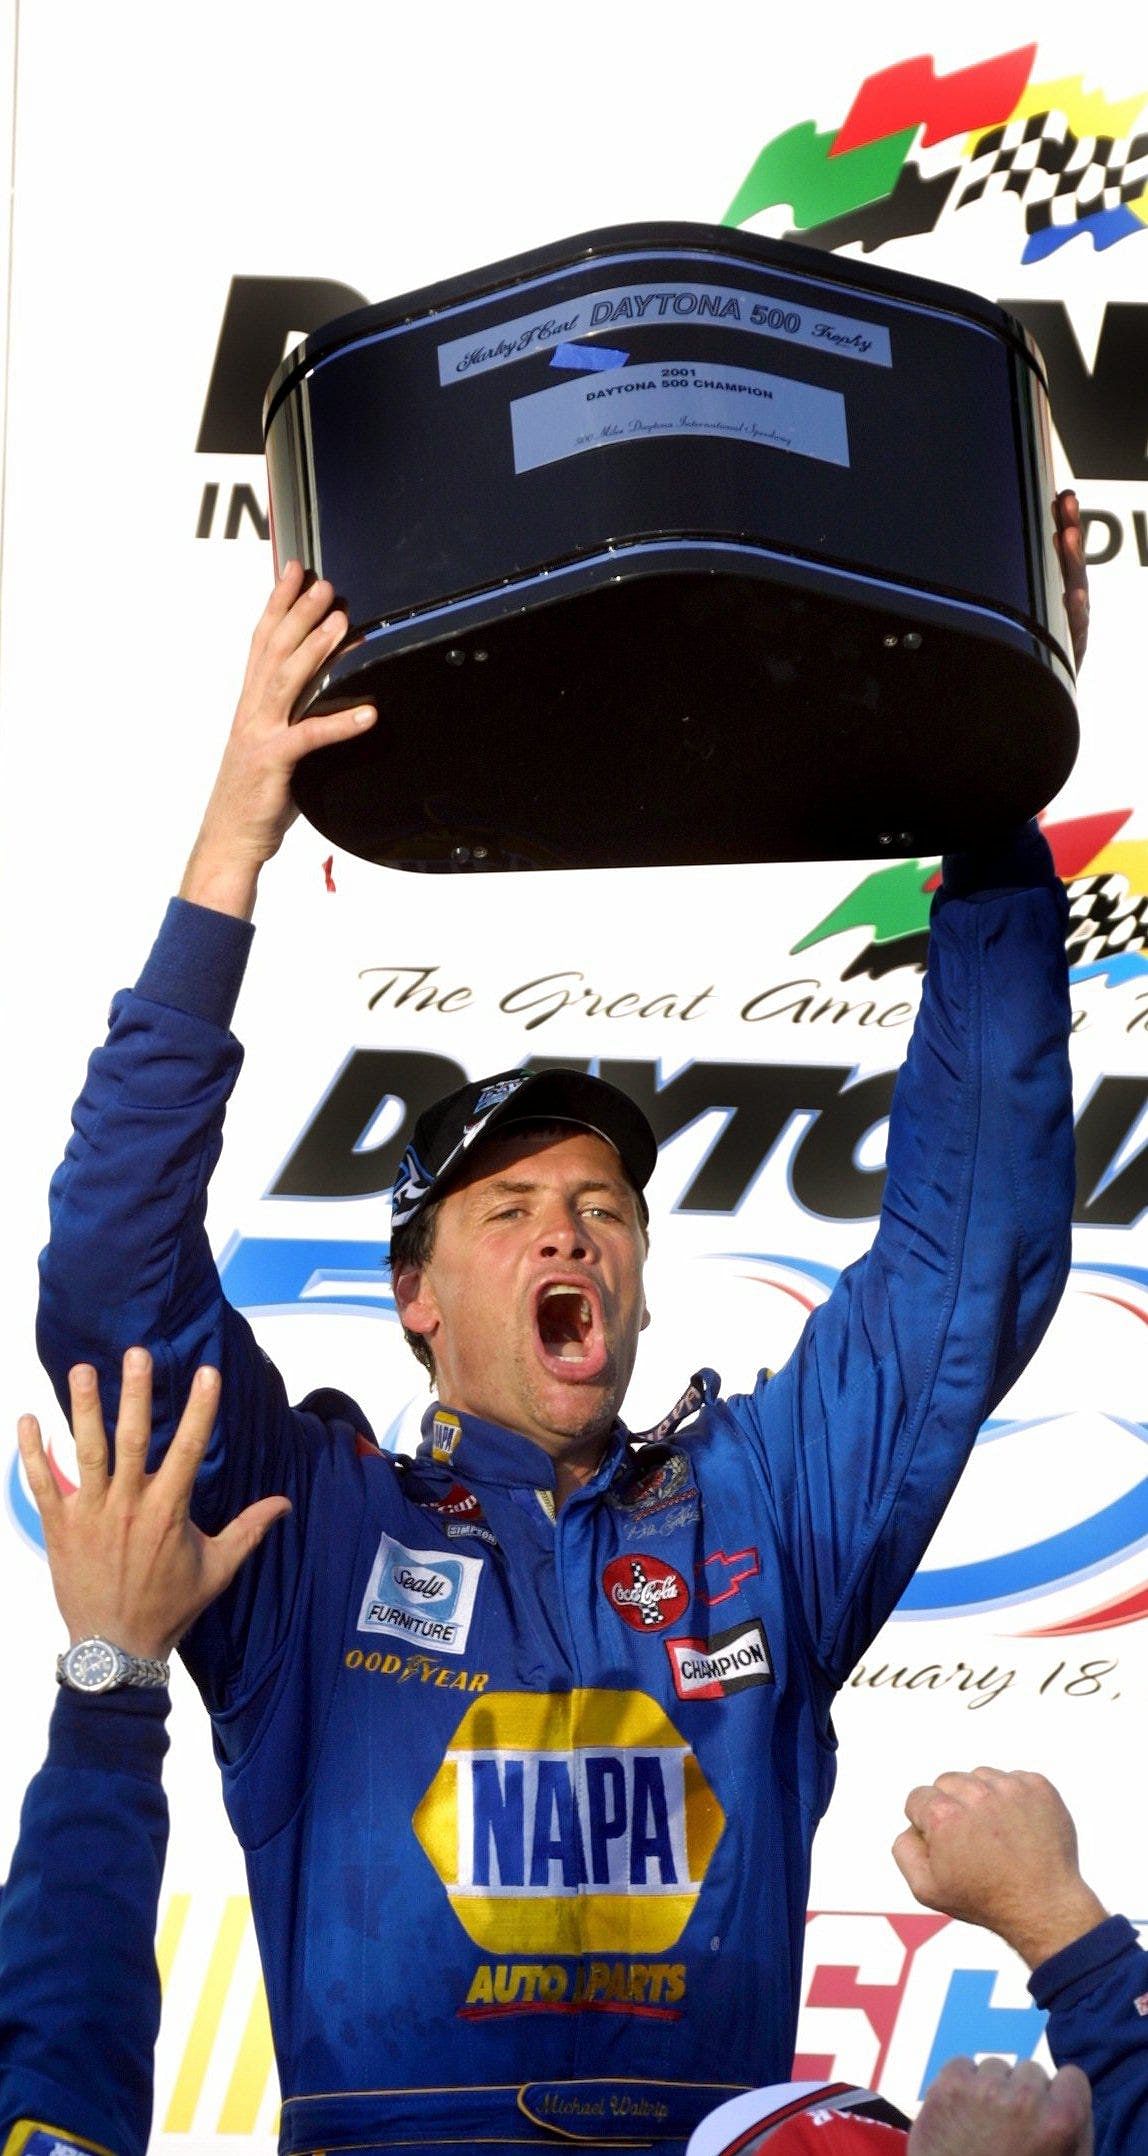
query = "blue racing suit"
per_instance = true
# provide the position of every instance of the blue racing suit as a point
(79, 2018)
(527, 1799)
(1095, 1993)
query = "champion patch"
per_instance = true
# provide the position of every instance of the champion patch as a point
(729, 1662)
(646, 1593)
(423, 1596)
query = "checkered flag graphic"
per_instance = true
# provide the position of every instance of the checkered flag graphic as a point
(1060, 177)
(648, 1609)
(1104, 918)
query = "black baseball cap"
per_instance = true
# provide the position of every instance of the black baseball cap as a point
(446, 1134)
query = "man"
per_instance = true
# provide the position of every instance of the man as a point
(79, 1991)
(1000, 1850)
(526, 1741)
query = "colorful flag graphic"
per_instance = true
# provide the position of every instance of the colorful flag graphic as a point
(1069, 154)
(1107, 881)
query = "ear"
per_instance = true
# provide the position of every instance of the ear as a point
(645, 1316)
(415, 1301)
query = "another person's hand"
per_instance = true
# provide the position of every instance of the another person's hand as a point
(999, 1850)
(251, 807)
(1069, 544)
(128, 1564)
(999, 2110)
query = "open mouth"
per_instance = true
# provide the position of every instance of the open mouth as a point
(565, 1320)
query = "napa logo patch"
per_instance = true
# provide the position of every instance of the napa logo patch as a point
(446, 1436)
(423, 1596)
(570, 1823)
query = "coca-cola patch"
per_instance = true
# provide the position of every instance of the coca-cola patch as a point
(646, 1593)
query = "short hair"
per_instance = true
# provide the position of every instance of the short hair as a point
(412, 1245)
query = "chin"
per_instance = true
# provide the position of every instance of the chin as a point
(588, 1409)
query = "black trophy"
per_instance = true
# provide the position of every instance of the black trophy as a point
(670, 544)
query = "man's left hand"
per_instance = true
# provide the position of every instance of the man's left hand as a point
(1069, 543)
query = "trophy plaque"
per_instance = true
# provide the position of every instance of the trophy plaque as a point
(671, 544)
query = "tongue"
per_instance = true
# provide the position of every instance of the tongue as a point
(561, 1327)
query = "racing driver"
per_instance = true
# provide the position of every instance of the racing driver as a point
(526, 1738)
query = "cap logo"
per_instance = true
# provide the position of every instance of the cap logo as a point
(412, 1182)
(492, 1096)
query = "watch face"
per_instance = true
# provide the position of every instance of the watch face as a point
(92, 1666)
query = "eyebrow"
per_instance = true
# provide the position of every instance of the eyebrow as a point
(505, 1186)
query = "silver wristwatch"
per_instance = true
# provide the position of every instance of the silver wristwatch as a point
(94, 1665)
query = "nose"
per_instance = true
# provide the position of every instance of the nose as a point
(565, 1235)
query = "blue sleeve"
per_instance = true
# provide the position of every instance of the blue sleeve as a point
(1095, 1993)
(129, 1262)
(79, 1990)
(863, 1436)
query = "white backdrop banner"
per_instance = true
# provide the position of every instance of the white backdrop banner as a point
(194, 189)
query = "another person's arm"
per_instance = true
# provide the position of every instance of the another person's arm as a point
(79, 1992)
(999, 1849)
(991, 2109)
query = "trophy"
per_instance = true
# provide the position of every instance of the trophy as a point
(671, 544)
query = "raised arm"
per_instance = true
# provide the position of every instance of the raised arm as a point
(128, 1259)
(251, 808)
(864, 1435)
(999, 1849)
(865, 1432)
(78, 2021)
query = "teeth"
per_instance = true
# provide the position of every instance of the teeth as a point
(562, 1287)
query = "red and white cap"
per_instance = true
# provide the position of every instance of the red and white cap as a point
(803, 2118)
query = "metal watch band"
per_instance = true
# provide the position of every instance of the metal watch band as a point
(146, 1674)
(97, 1665)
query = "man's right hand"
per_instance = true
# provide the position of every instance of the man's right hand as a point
(998, 2110)
(251, 806)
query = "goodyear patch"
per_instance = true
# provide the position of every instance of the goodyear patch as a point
(417, 1669)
